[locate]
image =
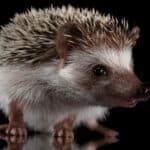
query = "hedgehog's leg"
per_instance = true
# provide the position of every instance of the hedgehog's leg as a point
(93, 125)
(16, 126)
(64, 129)
(16, 123)
(94, 145)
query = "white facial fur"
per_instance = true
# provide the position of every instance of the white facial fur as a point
(117, 59)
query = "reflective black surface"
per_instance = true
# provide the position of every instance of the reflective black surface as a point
(46, 142)
(132, 124)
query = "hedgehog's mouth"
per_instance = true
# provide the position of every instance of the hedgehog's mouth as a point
(129, 103)
(132, 102)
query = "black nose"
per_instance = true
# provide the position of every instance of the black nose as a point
(143, 91)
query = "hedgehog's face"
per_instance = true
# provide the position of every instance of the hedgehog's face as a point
(106, 75)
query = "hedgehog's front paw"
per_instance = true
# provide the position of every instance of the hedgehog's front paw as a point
(64, 129)
(63, 132)
(13, 139)
(13, 134)
(16, 130)
(62, 138)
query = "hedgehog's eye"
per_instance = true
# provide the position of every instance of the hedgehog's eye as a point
(99, 70)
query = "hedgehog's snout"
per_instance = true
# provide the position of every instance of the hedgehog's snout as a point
(143, 92)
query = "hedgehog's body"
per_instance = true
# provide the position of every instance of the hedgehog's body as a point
(29, 72)
(27, 49)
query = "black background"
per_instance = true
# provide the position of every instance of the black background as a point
(133, 124)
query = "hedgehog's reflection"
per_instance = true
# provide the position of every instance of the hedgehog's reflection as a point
(46, 142)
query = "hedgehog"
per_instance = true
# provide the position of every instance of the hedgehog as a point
(62, 66)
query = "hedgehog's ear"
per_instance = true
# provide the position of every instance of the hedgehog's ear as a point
(67, 37)
(134, 34)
